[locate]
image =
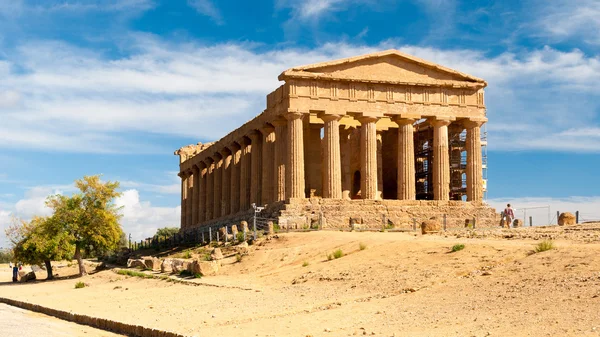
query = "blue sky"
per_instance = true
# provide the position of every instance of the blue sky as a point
(114, 87)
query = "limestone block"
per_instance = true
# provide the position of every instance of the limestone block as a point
(216, 254)
(136, 263)
(566, 219)
(517, 223)
(151, 263)
(26, 276)
(242, 248)
(234, 231)
(270, 228)
(222, 233)
(430, 226)
(206, 268)
(179, 265)
(244, 226)
(166, 266)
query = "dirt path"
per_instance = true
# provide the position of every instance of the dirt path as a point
(401, 284)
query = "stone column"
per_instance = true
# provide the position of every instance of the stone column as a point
(368, 157)
(295, 157)
(441, 160)
(202, 197)
(406, 159)
(379, 165)
(245, 171)
(196, 195)
(256, 170)
(183, 176)
(346, 160)
(210, 180)
(236, 154)
(225, 182)
(280, 159)
(474, 168)
(189, 207)
(268, 158)
(218, 177)
(332, 161)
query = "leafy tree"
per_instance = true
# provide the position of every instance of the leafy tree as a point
(90, 218)
(6, 255)
(39, 241)
(167, 231)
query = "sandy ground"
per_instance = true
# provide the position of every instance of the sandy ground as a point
(400, 285)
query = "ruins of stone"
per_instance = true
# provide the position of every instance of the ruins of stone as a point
(383, 138)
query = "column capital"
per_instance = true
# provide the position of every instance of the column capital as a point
(234, 146)
(217, 156)
(401, 120)
(293, 115)
(267, 128)
(254, 134)
(437, 121)
(329, 116)
(244, 141)
(279, 121)
(195, 169)
(182, 174)
(473, 123)
(225, 152)
(208, 161)
(367, 119)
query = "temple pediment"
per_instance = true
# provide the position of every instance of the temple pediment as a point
(389, 66)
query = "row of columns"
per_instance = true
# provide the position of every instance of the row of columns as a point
(268, 165)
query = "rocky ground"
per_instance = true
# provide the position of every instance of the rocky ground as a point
(399, 284)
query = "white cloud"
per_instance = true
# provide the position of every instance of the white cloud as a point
(207, 7)
(564, 19)
(174, 188)
(588, 207)
(74, 99)
(141, 219)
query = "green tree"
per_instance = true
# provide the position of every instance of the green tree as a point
(90, 218)
(39, 241)
(167, 231)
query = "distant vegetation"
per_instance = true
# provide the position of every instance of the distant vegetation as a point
(6, 255)
(166, 231)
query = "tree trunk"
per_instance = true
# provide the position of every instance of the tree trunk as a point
(79, 261)
(49, 269)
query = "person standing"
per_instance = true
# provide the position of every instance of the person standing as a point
(509, 215)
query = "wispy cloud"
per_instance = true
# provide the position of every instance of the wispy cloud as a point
(208, 8)
(563, 19)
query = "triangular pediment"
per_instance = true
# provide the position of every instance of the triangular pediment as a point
(390, 66)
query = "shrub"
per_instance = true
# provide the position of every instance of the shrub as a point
(362, 246)
(305, 264)
(544, 246)
(187, 255)
(458, 247)
(198, 275)
(329, 257)
(337, 254)
(207, 257)
(240, 236)
(134, 273)
(238, 257)
(276, 227)
(79, 285)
